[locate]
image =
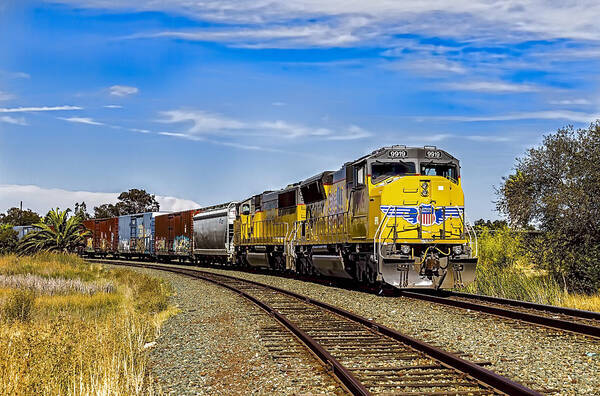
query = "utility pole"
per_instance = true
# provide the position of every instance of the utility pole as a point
(21, 214)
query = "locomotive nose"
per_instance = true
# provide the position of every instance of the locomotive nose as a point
(403, 191)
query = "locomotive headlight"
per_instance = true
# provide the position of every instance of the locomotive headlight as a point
(457, 249)
(405, 249)
(424, 189)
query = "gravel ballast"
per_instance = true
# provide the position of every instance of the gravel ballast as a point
(220, 343)
(547, 360)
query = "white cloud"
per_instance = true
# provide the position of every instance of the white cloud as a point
(340, 33)
(202, 121)
(278, 103)
(123, 90)
(81, 120)
(113, 107)
(533, 115)
(491, 86)
(353, 132)
(41, 199)
(293, 20)
(14, 74)
(5, 96)
(13, 120)
(571, 102)
(36, 109)
(435, 138)
(488, 138)
(210, 124)
(426, 66)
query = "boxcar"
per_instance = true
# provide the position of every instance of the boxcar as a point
(136, 234)
(105, 236)
(174, 234)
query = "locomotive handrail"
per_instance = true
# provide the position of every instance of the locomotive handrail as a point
(468, 227)
(269, 231)
(321, 227)
(228, 244)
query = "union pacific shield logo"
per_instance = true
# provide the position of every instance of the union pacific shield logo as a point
(424, 214)
(427, 215)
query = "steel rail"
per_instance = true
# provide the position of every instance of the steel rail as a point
(479, 373)
(577, 313)
(560, 324)
(342, 373)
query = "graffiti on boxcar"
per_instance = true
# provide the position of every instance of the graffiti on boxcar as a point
(182, 244)
(161, 245)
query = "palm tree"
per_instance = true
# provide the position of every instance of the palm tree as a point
(57, 233)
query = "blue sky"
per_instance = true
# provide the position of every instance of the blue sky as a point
(214, 101)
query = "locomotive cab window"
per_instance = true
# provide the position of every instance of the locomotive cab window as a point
(448, 171)
(245, 209)
(383, 170)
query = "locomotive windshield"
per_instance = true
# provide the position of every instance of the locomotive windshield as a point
(383, 170)
(445, 170)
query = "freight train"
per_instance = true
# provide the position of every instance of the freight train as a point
(394, 216)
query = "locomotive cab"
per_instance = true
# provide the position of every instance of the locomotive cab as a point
(419, 231)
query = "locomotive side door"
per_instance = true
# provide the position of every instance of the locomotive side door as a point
(358, 201)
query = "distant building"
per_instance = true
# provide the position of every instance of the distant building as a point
(24, 230)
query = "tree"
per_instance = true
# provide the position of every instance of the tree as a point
(556, 187)
(130, 202)
(106, 210)
(81, 211)
(8, 239)
(490, 225)
(137, 201)
(58, 233)
(18, 217)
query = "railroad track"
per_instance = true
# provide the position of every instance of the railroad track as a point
(566, 319)
(366, 357)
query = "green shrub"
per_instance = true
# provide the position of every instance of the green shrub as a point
(500, 247)
(8, 239)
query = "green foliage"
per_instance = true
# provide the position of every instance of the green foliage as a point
(8, 239)
(18, 217)
(58, 233)
(504, 271)
(556, 187)
(18, 306)
(81, 211)
(490, 225)
(500, 248)
(130, 202)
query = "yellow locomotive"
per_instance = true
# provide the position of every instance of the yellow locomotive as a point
(394, 216)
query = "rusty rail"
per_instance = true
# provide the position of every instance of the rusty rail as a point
(555, 323)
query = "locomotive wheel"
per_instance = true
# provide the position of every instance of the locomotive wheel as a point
(370, 273)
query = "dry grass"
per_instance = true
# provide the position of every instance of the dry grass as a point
(77, 343)
(52, 286)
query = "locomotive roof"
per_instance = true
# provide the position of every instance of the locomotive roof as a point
(424, 153)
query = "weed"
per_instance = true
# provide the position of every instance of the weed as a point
(18, 306)
(78, 338)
